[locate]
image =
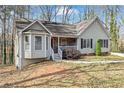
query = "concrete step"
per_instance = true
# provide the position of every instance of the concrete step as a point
(57, 56)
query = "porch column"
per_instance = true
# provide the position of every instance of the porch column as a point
(50, 46)
(77, 40)
(20, 63)
(45, 44)
(30, 47)
(58, 44)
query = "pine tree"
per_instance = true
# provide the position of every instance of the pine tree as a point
(98, 48)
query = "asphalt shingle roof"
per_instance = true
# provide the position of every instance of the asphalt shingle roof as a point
(59, 28)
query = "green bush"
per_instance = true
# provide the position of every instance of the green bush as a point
(98, 48)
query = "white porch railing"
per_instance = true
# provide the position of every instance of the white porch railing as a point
(52, 53)
(60, 52)
(64, 47)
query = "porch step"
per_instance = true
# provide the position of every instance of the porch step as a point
(56, 56)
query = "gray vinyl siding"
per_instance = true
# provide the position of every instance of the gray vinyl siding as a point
(95, 32)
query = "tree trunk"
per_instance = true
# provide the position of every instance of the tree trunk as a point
(4, 40)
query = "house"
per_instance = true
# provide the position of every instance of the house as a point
(38, 39)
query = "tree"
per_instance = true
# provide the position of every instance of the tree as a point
(3, 17)
(98, 48)
(114, 29)
(89, 12)
(49, 12)
(67, 12)
(7, 18)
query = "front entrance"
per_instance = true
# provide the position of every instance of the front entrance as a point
(54, 44)
(62, 43)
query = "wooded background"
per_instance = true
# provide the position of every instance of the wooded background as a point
(112, 17)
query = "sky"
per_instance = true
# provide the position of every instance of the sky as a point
(79, 9)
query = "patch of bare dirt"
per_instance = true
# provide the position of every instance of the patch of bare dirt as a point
(52, 74)
(9, 76)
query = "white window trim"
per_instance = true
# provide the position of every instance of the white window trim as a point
(47, 42)
(87, 43)
(25, 43)
(104, 43)
(41, 42)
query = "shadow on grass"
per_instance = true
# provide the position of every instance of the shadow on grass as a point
(93, 81)
(8, 72)
(41, 76)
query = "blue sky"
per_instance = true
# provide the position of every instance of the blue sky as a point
(79, 9)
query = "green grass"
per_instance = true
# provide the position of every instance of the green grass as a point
(102, 58)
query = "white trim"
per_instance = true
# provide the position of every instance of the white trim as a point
(29, 25)
(33, 33)
(21, 51)
(28, 42)
(105, 30)
(72, 36)
(50, 45)
(95, 19)
(44, 27)
(77, 43)
(39, 23)
(41, 42)
(31, 43)
(45, 44)
(80, 32)
(58, 44)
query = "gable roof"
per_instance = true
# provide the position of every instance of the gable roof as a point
(59, 29)
(34, 23)
(82, 26)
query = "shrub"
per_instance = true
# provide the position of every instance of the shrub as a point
(70, 53)
(98, 48)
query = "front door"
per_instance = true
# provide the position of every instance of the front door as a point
(54, 44)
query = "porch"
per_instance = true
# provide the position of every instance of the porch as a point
(58, 44)
(63, 43)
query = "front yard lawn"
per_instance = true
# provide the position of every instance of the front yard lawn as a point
(102, 58)
(51, 74)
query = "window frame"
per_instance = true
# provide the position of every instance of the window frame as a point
(41, 43)
(91, 43)
(27, 43)
(47, 43)
(104, 43)
(86, 43)
(81, 43)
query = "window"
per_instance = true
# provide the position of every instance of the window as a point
(63, 41)
(38, 43)
(26, 42)
(46, 43)
(104, 43)
(91, 42)
(81, 43)
(86, 43)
